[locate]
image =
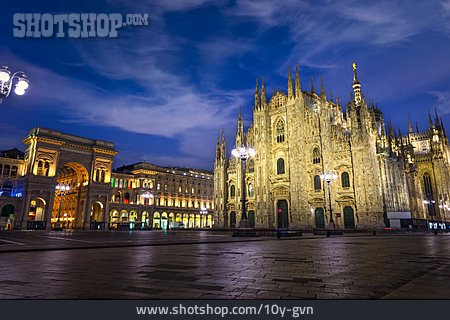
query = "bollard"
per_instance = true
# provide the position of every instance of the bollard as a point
(435, 232)
(328, 233)
(374, 233)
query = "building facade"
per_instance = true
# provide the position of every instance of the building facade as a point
(382, 177)
(96, 196)
(151, 196)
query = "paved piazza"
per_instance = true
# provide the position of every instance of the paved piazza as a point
(213, 265)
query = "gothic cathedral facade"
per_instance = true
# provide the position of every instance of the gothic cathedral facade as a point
(299, 136)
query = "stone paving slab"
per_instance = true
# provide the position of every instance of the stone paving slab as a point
(389, 267)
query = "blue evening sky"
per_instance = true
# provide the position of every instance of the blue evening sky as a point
(162, 92)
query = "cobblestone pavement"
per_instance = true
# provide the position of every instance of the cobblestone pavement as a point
(340, 267)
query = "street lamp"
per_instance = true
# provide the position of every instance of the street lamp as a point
(147, 195)
(430, 206)
(7, 80)
(61, 188)
(328, 177)
(244, 152)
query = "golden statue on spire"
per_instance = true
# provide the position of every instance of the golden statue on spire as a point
(354, 66)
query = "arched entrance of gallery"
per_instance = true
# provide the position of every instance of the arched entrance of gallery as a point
(97, 216)
(70, 195)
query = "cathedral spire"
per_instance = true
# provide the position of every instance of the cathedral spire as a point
(298, 89)
(263, 92)
(356, 86)
(436, 120)
(290, 89)
(430, 120)
(257, 96)
(218, 147)
(323, 95)
(410, 125)
(312, 86)
(224, 145)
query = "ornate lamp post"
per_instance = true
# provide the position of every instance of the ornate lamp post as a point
(147, 195)
(7, 80)
(328, 177)
(244, 152)
(61, 188)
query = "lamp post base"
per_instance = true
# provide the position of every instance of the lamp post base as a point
(244, 224)
(244, 229)
(331, 226)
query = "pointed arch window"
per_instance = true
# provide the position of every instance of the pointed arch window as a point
(232, 191)
(428, 186)
(280, 131)
(280, 166)
(317, 183)
(345, 180)
(251, 166)
(251, 190)
(316, 155)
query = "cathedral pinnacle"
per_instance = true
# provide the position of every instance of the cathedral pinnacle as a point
(290, 89)
(298, 89)
(263, 92)
(410, 125)
(257, 96)
(356, 86)
(323, 95)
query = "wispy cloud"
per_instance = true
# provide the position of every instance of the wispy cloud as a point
(315, 28)
(159, 82)
(442, 101)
